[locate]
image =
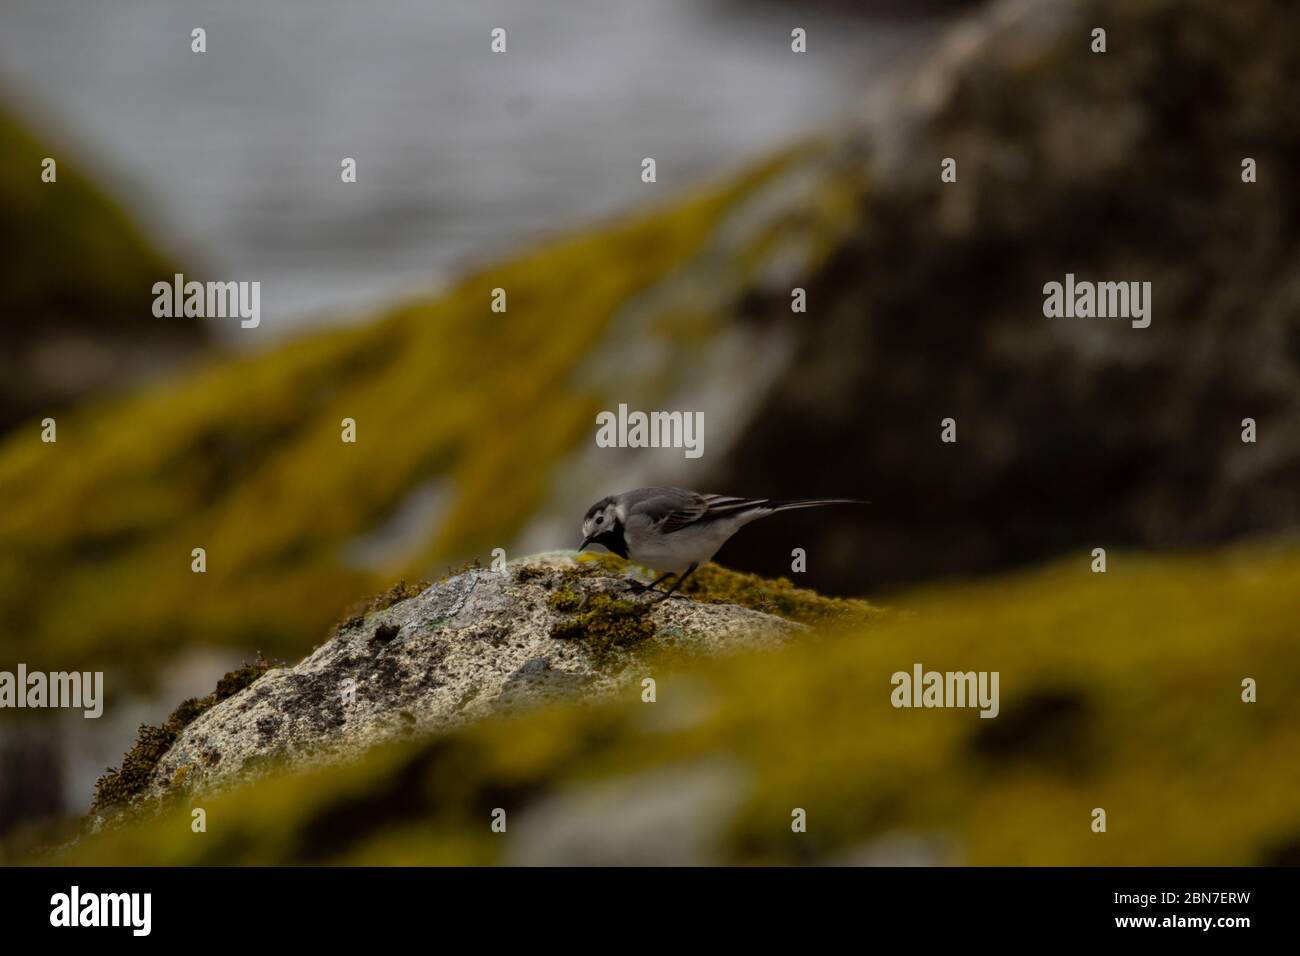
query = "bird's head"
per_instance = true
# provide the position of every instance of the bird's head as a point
(604, 526)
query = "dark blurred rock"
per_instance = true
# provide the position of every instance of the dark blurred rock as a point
(1072, 433)
(76, 279)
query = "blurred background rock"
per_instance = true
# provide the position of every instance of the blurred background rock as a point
(475, 430)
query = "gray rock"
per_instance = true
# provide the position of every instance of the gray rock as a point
(476, 644)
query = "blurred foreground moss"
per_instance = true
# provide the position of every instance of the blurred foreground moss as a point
(1118, 690)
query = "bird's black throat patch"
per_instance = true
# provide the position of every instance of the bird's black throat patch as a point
(613, 540)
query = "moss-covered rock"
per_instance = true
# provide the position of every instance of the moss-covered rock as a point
(605, 623)
(477, 643)
(712, 582)
(123, 787)
(1120, 690)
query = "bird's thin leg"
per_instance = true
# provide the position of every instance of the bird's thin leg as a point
(640, 588)
(681, 578)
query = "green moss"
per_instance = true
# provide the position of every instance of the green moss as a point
(235, 681)
(188, 710)
(565, 601)
(602, 623)
(117, 787)
(720, 585)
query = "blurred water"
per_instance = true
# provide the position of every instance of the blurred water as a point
(232, 156)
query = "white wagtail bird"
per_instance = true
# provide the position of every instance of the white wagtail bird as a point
(674, 530)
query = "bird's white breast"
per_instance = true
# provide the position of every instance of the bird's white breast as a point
(677, 551)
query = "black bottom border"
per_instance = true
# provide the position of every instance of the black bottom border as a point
(337, 905)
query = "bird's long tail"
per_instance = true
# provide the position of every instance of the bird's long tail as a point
(721, 506)
(813, 503)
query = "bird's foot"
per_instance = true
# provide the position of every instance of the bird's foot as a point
(639, 588)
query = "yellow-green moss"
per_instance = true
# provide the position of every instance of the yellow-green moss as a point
(720, 585)
(565, 601)
(778, 596)
(602, 623)
(1119, 690)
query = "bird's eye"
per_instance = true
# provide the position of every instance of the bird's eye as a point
(600, 519)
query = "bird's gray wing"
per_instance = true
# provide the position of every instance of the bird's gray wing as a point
(667, 509)
(671, 509)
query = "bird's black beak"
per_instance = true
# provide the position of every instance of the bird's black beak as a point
(586, 541)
